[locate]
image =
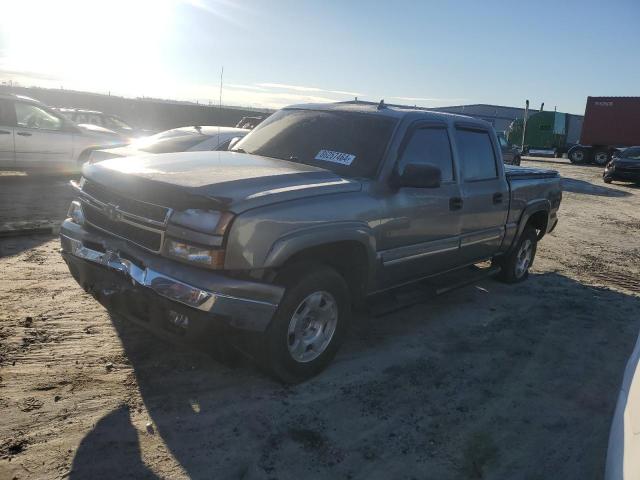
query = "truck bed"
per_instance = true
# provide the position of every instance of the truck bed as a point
(513, 172)
(532, 185)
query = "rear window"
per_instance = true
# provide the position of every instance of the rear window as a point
(477, 155)
(350, 144)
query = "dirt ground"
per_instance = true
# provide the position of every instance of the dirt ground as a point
(490, 381)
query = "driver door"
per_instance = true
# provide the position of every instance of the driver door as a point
(420, 231)
(40, 137)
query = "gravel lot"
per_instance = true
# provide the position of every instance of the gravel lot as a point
(489, 381)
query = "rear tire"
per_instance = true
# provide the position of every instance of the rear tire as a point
(578, 155)
(309, 325)
(606, 179)
(601, 157)
(515, 265)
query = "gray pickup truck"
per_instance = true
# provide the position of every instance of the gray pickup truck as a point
(319, 207)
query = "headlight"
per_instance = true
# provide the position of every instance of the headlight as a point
(205, 256)
(205, 221)
(75, 213)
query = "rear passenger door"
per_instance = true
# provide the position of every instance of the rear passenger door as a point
(485, 193)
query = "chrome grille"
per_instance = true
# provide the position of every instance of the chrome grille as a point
(141, 223)
(143, 210)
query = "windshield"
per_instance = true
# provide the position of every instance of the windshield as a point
(115, 122)
(173, 144)
(631, 154)
(350, 144)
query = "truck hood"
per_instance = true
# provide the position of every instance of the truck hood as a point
(225, 180)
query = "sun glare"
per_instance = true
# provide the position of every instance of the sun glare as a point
(73, 42)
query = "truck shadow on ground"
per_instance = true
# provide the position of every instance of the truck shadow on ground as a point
(16, 245)
(588, 188)
(489, 381)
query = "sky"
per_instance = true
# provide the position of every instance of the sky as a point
(278, 52)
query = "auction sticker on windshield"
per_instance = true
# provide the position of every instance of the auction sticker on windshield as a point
(335, 157)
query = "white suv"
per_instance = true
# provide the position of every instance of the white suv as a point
(32, 136)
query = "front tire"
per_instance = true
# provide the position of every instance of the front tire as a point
(515, 265)
(310, 323)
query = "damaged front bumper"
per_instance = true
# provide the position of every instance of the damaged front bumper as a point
(141, 284)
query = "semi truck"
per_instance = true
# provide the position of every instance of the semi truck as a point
(548, 132)
(610, 123)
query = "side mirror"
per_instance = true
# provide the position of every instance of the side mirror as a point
(419, 175)
(233, 142)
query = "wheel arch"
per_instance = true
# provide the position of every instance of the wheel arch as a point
(536, 214)
(350, 249)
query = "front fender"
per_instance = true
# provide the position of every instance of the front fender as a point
(296, 241)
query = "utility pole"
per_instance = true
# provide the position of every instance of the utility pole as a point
(221, 74)
(524, 123)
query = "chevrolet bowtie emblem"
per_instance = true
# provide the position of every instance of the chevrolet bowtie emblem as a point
(111, 211)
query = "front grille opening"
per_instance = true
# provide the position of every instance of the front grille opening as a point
(153, 212)
(148, 239)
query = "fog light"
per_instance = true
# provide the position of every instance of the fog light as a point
(75, 213)
(209, 257)
(180, 292)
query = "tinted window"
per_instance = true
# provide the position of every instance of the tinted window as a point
(6, 113)
(631, 154)
(115, 123)
(476, 155)
(32, 116)
(348, 143)
(223, 145)
(429, 145)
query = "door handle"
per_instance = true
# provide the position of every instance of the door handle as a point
(455, 203)
(4, 132)
(497, 197)
(24, 134)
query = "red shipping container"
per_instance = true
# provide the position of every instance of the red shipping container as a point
(611, 121)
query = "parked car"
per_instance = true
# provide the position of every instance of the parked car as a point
(623, 453)
(106, 120)
(33, 136)
(184, 139)
(249, 122)
(624, 166)
(511, 154)
(315, 210)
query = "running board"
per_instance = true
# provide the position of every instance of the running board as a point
(424, 290)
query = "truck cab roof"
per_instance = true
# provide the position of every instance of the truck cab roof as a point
(398, 112)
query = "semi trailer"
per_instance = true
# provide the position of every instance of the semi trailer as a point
(610, 123)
